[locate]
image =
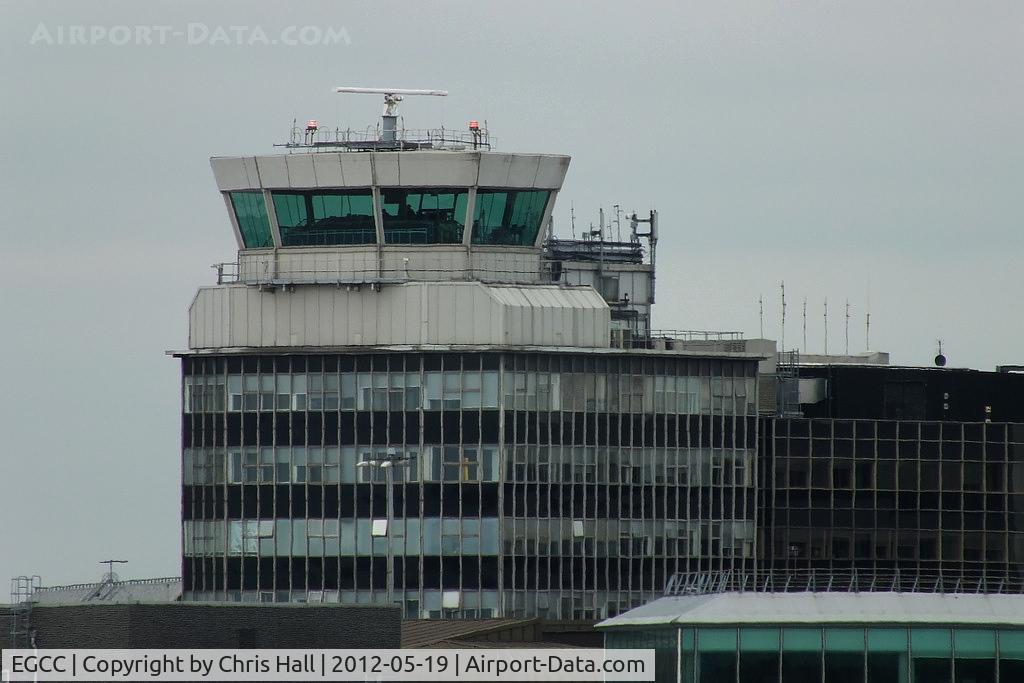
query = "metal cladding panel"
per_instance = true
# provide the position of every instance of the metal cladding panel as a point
(327, 167)
(300, 171)
(551, 172)
(357, 169)
(253, 171)
(231, 174)
(494, 169)
(273, 171)
(386, 169)
(522, 172)
(414, 313)
(438, 169)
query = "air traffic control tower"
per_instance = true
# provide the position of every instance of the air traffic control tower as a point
(390, 398)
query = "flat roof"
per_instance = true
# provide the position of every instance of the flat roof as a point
(742, 608)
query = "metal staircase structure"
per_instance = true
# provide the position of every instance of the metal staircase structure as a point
(23, 589)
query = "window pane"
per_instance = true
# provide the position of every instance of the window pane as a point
(766, 639)
(335, 217)
(717, 667)
(844, 639)
(974, 643)
(253, 223)
(1011, 645)
(716, 639)
(759, 667)
(887, 640)
(930, 642)
(423, 216)
(801, 666)
(844, 667)
(508, 216)
(801, 639)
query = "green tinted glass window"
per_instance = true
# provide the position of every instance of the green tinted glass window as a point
(1011, 644)
(325, 217)
(423, 216)
(844, 639)
(508, 216)
(716, 639)
(251, 214)
(974, 643)
(761, 639)
(930, 642)
(887, 639)
(801, 639)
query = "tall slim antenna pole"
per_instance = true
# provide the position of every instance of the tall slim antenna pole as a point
(847, 327)
(760, 313)
(867, 320)
(804, 347)
(572, 218)
(826, 326)
(782, 337)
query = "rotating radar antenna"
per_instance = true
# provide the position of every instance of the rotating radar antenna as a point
(392, 96)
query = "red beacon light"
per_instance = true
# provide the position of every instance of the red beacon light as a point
(312, 124)
(474, 125)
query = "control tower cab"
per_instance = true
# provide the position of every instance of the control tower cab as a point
(392, 236)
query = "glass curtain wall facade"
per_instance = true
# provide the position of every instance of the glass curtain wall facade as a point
(535, 484)
(345, 217)
(928, 498)
(855, 654)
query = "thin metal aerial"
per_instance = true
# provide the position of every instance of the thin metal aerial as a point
(760, 313)
(826, 326)
(847, 331)
(804, 348)
(782, 337)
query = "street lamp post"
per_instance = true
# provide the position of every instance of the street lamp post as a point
(388, 462)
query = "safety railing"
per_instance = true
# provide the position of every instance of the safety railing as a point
(371, 138)
(851, 580)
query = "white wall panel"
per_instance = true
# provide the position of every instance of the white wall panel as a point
(230, 174)
(273, 171)
(551, 172)
(356, 169)
(386, 168)
(327, 167)
(522, 170)
(416, 313)
(300, 171)
(494, 170)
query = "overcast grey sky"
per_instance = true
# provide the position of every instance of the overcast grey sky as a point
(856, 150)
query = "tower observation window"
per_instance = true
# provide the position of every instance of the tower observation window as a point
(423, 216)
(510, 217)
(314, 218)
(251, 214)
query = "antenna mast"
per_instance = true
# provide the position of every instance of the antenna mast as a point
(760, 313)
(826, 326)
(782, 338)
(805, 325)
(847, 327)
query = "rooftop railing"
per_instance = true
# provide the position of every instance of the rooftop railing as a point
(698, 335)
(843, 581)
(354, 140)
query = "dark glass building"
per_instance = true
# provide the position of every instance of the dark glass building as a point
(898, 469)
